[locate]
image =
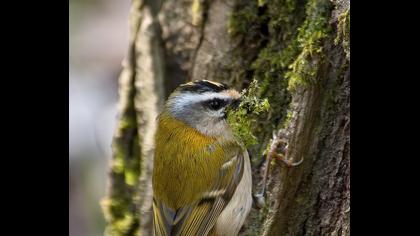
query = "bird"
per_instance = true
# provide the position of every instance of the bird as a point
(201, 179)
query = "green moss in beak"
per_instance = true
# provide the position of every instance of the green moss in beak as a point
(245, 115)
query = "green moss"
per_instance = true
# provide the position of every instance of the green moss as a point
(118, 164)
(243, 119)
(240, 20)
(286, 121)
(281, 19)
(271, 29)
(121, 225)
(132, 170)
(284, 41)
(131, 178)
(343, 32)
(311, 34)
(127, 122)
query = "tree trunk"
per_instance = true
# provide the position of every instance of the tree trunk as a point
(297, 50)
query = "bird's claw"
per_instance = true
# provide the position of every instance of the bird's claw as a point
(275, 142)
(288, 162)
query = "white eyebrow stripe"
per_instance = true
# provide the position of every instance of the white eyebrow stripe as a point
(187, 98)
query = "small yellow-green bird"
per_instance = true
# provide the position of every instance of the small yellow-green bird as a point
(202, 175)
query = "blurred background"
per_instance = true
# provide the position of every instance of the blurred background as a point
(98, 42)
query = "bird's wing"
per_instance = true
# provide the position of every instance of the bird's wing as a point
(200, 217)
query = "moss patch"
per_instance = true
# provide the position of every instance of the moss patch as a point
(314, 30)
(244, 118)
(268, 30)
(284, 49)
(343, 32)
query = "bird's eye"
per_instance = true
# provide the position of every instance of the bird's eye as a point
(215, 104)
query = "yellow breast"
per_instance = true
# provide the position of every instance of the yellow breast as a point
(186, 162)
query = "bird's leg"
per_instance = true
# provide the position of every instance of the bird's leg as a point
(276, 141)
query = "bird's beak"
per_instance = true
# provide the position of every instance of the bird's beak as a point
(232, 107)
(235, 104)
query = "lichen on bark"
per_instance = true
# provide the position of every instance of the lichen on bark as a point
(343, 32)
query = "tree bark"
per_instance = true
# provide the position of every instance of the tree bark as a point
(297, 50)
(128, 206)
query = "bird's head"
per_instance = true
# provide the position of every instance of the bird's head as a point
(203, 105)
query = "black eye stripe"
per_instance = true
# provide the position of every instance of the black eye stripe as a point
(215, 104)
